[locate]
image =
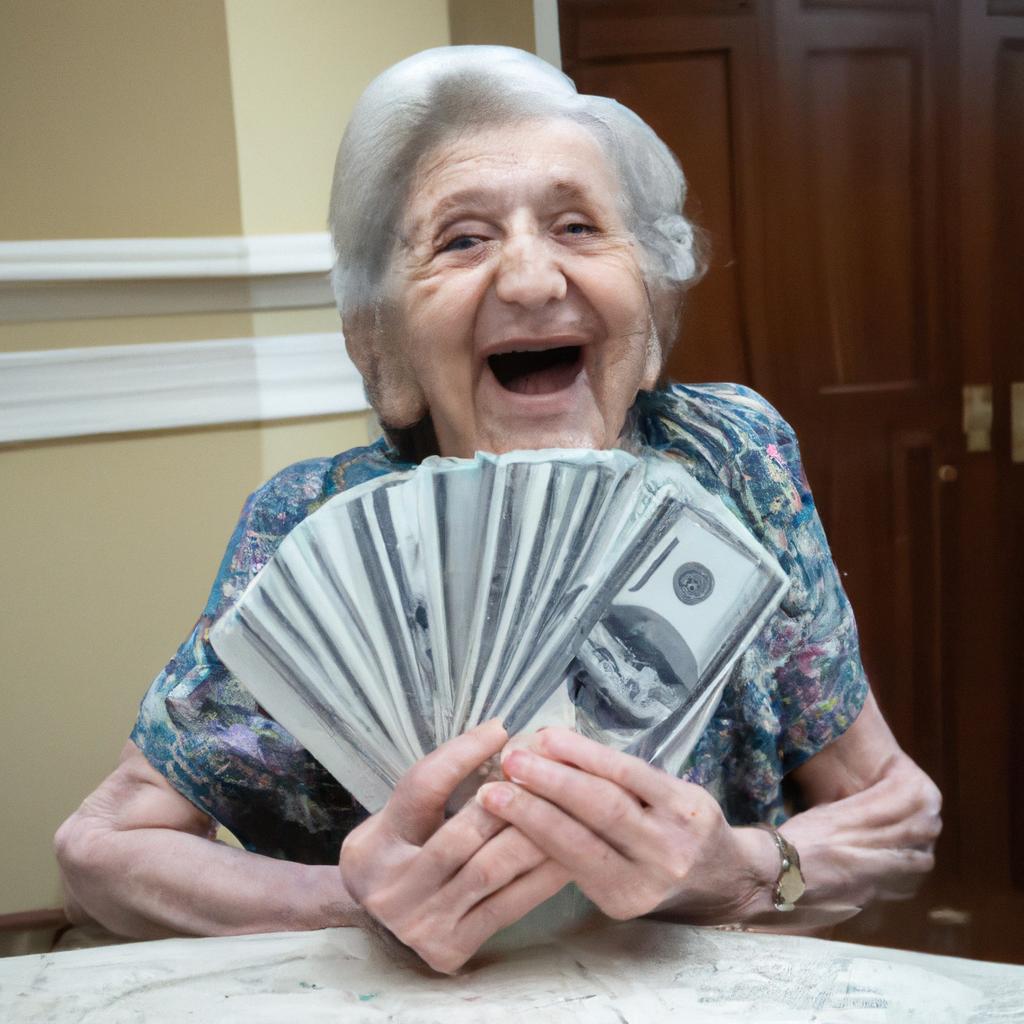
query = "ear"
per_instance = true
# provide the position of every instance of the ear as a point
(666, 300)
(663, 306)
(654, 358)
(374, 342)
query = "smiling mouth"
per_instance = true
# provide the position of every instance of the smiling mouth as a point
(537, 372)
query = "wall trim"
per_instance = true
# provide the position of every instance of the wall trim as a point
(546, 36)
(103, 259)
(65, 279)
(73, 392)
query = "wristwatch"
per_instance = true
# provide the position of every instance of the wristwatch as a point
(790, 884)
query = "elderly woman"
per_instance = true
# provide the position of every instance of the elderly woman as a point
(511, 263)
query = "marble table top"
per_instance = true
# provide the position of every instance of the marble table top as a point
(638, 972)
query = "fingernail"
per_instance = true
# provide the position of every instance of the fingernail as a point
(494, 794)
(514, 764)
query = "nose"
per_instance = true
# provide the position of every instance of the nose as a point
(528, 273)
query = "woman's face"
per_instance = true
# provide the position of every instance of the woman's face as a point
(525, 318)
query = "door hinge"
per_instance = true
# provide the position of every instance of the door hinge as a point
(977, 417)
(1017, 421)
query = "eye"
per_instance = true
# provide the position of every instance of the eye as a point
(461, 243)
(579, 228)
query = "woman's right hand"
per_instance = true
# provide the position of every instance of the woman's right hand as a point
(443, 887)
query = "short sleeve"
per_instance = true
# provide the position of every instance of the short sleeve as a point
(206, 734)
(801, 683)
(820, 684)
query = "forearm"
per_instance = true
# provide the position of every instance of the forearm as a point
(877, 844)
(155, 882)
(874, 844)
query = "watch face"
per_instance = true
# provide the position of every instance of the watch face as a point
(791, 885)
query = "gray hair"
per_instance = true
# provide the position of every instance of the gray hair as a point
(421, 102)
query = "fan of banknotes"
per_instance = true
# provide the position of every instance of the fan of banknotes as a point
(597, 588)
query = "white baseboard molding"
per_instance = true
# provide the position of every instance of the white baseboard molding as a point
(99, 277)
(123, 388)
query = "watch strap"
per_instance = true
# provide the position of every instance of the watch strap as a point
(790, 885)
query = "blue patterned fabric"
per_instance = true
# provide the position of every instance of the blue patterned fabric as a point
(796, 689)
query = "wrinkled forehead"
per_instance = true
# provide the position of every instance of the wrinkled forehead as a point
(548, 163)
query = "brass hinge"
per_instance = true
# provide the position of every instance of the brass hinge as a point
(977, 417)
(1017, 421)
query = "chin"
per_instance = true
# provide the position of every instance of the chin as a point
(530, 437)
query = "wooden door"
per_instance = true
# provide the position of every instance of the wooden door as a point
(822, 140)
(1003, 57)
(862, 111)
(989, 725)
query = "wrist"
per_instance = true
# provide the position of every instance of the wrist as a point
(771, 857)
(790, 885)
(760, 858)
(736, 888)
(319, 899)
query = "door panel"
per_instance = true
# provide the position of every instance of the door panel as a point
(853, 112)
(862, 150)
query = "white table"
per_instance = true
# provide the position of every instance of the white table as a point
(640, 972)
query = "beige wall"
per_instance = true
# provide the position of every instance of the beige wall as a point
(296, 72)
(508, 22)
(121, 120)
(146, 118)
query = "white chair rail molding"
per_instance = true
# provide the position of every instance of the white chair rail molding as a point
(65, 279)
(66, 392)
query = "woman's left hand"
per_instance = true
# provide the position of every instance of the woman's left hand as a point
(634, 839)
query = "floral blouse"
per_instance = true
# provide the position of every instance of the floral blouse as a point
(795, 690)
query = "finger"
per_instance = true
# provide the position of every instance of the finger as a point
(521, 741)
(416, 808)
(652, 785)
(605, 808)
(490, 869)
(590, 859)
(513, 902)
(453, 844)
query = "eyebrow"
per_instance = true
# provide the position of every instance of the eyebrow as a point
(464, 197)
(564, 191)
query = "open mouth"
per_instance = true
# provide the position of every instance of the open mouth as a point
(537, 372)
